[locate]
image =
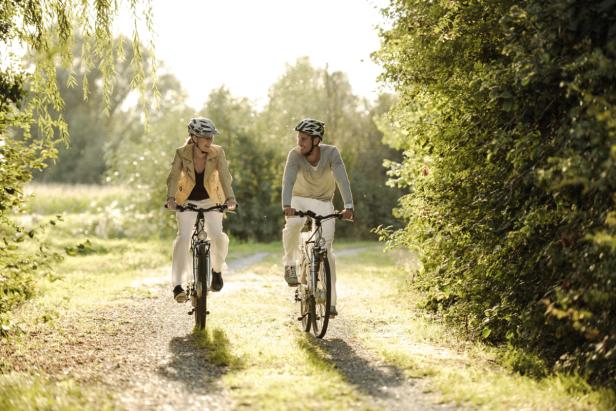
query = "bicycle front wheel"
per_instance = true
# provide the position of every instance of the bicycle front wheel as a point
(201, 288)
(304, 305)
(322, 300)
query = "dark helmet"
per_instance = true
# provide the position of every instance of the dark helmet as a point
(312, 127)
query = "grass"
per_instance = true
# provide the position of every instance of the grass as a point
(50, 199)
(463, 372)
(20, 392)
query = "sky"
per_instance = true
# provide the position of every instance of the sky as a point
(246, 45)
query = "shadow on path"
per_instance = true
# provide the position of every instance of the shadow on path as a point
(372, 379)
(199, 359)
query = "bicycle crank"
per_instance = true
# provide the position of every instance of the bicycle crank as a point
(191, 312)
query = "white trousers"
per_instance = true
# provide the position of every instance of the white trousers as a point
(182, 258)
(293, 227)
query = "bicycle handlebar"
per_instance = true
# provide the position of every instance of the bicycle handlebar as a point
(317, 217)
(192, 207)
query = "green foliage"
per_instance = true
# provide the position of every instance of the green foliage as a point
(256, 145)
(507, 119)
(83, 160)
(255, 167)
(141, 160)
(31, 121)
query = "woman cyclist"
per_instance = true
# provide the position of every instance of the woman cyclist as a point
(199, 175)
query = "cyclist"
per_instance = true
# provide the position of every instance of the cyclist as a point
(311, 174)
(199, 175)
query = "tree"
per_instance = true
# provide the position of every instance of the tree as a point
(506, 116)
(46, 30)
(94, 123)
(142, 159)
(253, 164)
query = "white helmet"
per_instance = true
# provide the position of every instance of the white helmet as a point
(312, 127)
(201, 127)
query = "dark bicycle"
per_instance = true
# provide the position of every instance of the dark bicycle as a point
(314, 290)
(201, 282)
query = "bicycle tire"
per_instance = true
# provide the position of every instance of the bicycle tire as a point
(201, 308)
(304, 308)
(321, 301)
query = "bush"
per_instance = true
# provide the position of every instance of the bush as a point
(508, 121)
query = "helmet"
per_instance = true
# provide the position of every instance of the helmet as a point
(312, 127)
(201, 127)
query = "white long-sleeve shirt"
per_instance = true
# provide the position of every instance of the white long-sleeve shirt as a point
(302, 179)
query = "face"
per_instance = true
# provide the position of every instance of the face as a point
(305, 142)
(203, 143)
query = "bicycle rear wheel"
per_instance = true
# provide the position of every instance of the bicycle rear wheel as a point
(201, 287)
(322, 300)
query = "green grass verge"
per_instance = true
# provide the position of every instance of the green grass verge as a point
(50, 199)
(463, 372)
(20, 392)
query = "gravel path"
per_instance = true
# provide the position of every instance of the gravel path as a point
(143, 352)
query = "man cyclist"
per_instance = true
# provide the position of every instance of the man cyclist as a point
(199, 175)
(311, 174)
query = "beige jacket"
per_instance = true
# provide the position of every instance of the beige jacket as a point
(217, 179)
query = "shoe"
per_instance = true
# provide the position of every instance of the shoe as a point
(217, 282)
(332, 311)
(290, 275)
(179, 294)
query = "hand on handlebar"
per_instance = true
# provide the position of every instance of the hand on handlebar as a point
(347, 214)
(171, 204)
(289, 211)
(231, 204)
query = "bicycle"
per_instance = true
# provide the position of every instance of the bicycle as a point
(201, 282)
(314, 289)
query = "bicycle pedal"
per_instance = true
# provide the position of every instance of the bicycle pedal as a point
(191, 312)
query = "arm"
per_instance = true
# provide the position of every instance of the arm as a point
(225, 176)
(174, 176)
(342, 180)
(288, 179)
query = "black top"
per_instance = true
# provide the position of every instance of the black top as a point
(199, 192)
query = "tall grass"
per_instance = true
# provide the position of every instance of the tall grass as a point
(102, 211)
(47, 199)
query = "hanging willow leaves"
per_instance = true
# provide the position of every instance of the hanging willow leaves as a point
(31, 119)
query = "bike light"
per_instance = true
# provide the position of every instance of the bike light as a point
(202, 235)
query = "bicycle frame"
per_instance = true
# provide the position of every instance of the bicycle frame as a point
(315, 251)
(199, 240)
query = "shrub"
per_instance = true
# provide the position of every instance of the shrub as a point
(507, 117)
